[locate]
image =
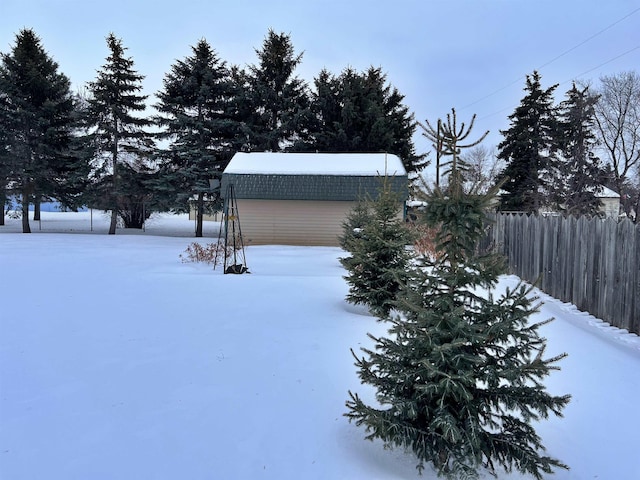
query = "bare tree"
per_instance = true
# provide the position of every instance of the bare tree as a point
(445, 138)
(618, 121)
(483, 168)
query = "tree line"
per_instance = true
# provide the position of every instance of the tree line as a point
(559, 157)
(101, 148)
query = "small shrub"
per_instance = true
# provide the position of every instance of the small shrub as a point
(211, 254)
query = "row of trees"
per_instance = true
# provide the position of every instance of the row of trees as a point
(104, 149)
(553, 152)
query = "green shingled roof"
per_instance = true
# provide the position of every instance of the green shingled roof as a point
(309, 187)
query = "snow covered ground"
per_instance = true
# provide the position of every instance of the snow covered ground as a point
(118, 361)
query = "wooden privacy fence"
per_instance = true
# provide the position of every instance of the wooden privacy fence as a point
(591, 262)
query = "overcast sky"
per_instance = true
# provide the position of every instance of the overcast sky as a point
(469, 54)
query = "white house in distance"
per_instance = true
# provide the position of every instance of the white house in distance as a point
(304, 198)
(610, 207)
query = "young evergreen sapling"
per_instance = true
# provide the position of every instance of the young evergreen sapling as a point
(378, 251)
(459, 378)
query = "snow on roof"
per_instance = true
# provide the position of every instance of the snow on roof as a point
(607, 193)
(357, 164)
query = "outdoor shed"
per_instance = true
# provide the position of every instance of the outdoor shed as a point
(304, 198)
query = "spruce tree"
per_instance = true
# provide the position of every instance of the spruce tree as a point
(352, 227)
(280, 103)
(361, 112)
(5, 166)
(198, 117)
(37, 114)
(116, 131)
(377, 239)
(459, 377)
(579, 171)
(527, 149)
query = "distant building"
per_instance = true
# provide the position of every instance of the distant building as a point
(304, 198)
(610, 203)
(610, 207)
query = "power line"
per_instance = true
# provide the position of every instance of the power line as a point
(637, 47)
(602, 64)
(558, 57)
(588, 39)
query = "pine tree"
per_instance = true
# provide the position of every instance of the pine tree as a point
(378, 251)
(37, 113)
(198, 115)
(459, 377)
(5, 159)
(362, 113)
(579, 170)
(117, 131)
(279, 100)
(527, 148)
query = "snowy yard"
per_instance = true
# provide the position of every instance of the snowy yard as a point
(118, 361)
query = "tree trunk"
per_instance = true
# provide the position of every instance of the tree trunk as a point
(36, 209)
(25, 211)
(114, 221)
(114, 192)
(3, 201)
(199, 214)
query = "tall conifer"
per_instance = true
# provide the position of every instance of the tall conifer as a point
(198, 117)
(279, 99)
(37, 114)
(361, 112)
(579, 172)
(111, 115)
(527, 148)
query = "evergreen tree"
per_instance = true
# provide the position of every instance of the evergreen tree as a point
(527, 149)
(579, 170)
(352, 227)
(242, 109)
(377, 239)
(37, 113)
(136, 177)
(459, 378)
(279, 100)
(5, 159)
(117, 133)
(199, 117)
(362, 113)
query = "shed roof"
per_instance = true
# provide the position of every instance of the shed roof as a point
(359, 164)
(313, 176)
(607, 193)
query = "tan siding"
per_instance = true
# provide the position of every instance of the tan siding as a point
(292, 222)
(216, 217)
